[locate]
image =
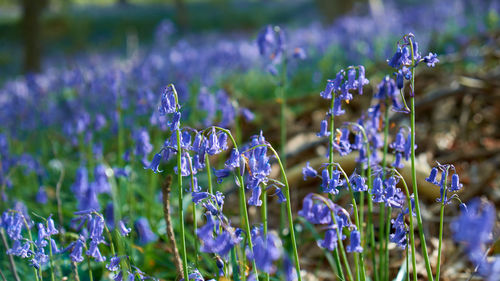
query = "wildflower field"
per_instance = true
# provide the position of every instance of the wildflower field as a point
(214, 145)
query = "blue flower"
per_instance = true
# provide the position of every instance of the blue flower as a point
(355, 245)
(309, 172)
(254, 198)
(94, 252)
(114, 264)
(221, 174)
(76, 251)
(455, 183)
(377, 190)
(266, 250)
(234, 160)
(41, 195)
(168, 104)
(124, 230)
(400, 231)
(330, 240)
(144, 232)
(432, 176)
(324, 129)
(358, 183)
(431, 59)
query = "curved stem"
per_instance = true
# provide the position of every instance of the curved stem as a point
(412, 235)
(413, 167)
(441, 221)
(264, 220)
(383, 245)
(243, 203)
(289, 212)
(181, 206)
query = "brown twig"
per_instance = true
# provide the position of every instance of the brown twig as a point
(168, 223)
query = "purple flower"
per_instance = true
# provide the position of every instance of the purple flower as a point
(400, 231)
(455, 183)
(377, 190)
(114, 264)
(432, 177)
(124, 230)
(431, 59)
(234, 160)
(397, 161)
(324, 129)
(254, 199)
(247, 114)
(144, 232)
(175, 122)
(309, 172)
(361, 80)
(94, 252)
(355, 245)
(41, 195)
(168, 104)
(281, 196)
(221, 174)
(76, 251)
(342, 145)
(266, 250)
(330, 240)
(358, 183)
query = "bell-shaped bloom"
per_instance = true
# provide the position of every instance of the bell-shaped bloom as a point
(308, 172)
(330, 240)
(355, 245)
(455, 183)
(144, 232)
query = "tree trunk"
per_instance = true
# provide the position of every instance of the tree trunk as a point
(31, 30)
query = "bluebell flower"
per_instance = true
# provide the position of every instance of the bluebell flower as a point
(393, 196)
(351, 79)
(221, 174)
(39, 259)
(20, 249)
(254, 199)
(330, 240)
(199, 196)
(324, 129)
(220, 265)
(124, 230)
(398, 161)
(81, 184)
(342, 145)
(308, 172)
(265, 38)
(234, 160)
(144, 232)
(280, 195)
(455, 183)
(51, 229)
(473, 228)
(101, 179)
(355, 245)
(76, 251)
(358, 183)
(377, 190)
(266, 250)
(395, 61)
(213, 143)
(96, 228)
(400, 231)
(431, 59)
(432, 176)
(41, 195)
(327, 93)
(94, 251)
(186, 164)
(168, 104)
(247, 114)
(175, 122)
(361, 79)
(143, 144)
(114, 264)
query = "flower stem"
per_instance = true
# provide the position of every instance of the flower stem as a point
(243, 204)
(412, 232)
(209, 174)
(441, 221)
(413, 167)
(181, 206)
(264, 221)
(289, 213)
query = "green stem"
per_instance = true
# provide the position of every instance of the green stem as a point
(264, 221)
(243, 206)
(383, 262)
(342, 250)
(91, 278)
(289, 213)
(181, 206)
(195, 223)
(180, 192)
(423, 243)
(412, 235)
(386, 244)
(209, 174)
(283, 132)
(52, 277)
(31, 244)
(441, 221)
